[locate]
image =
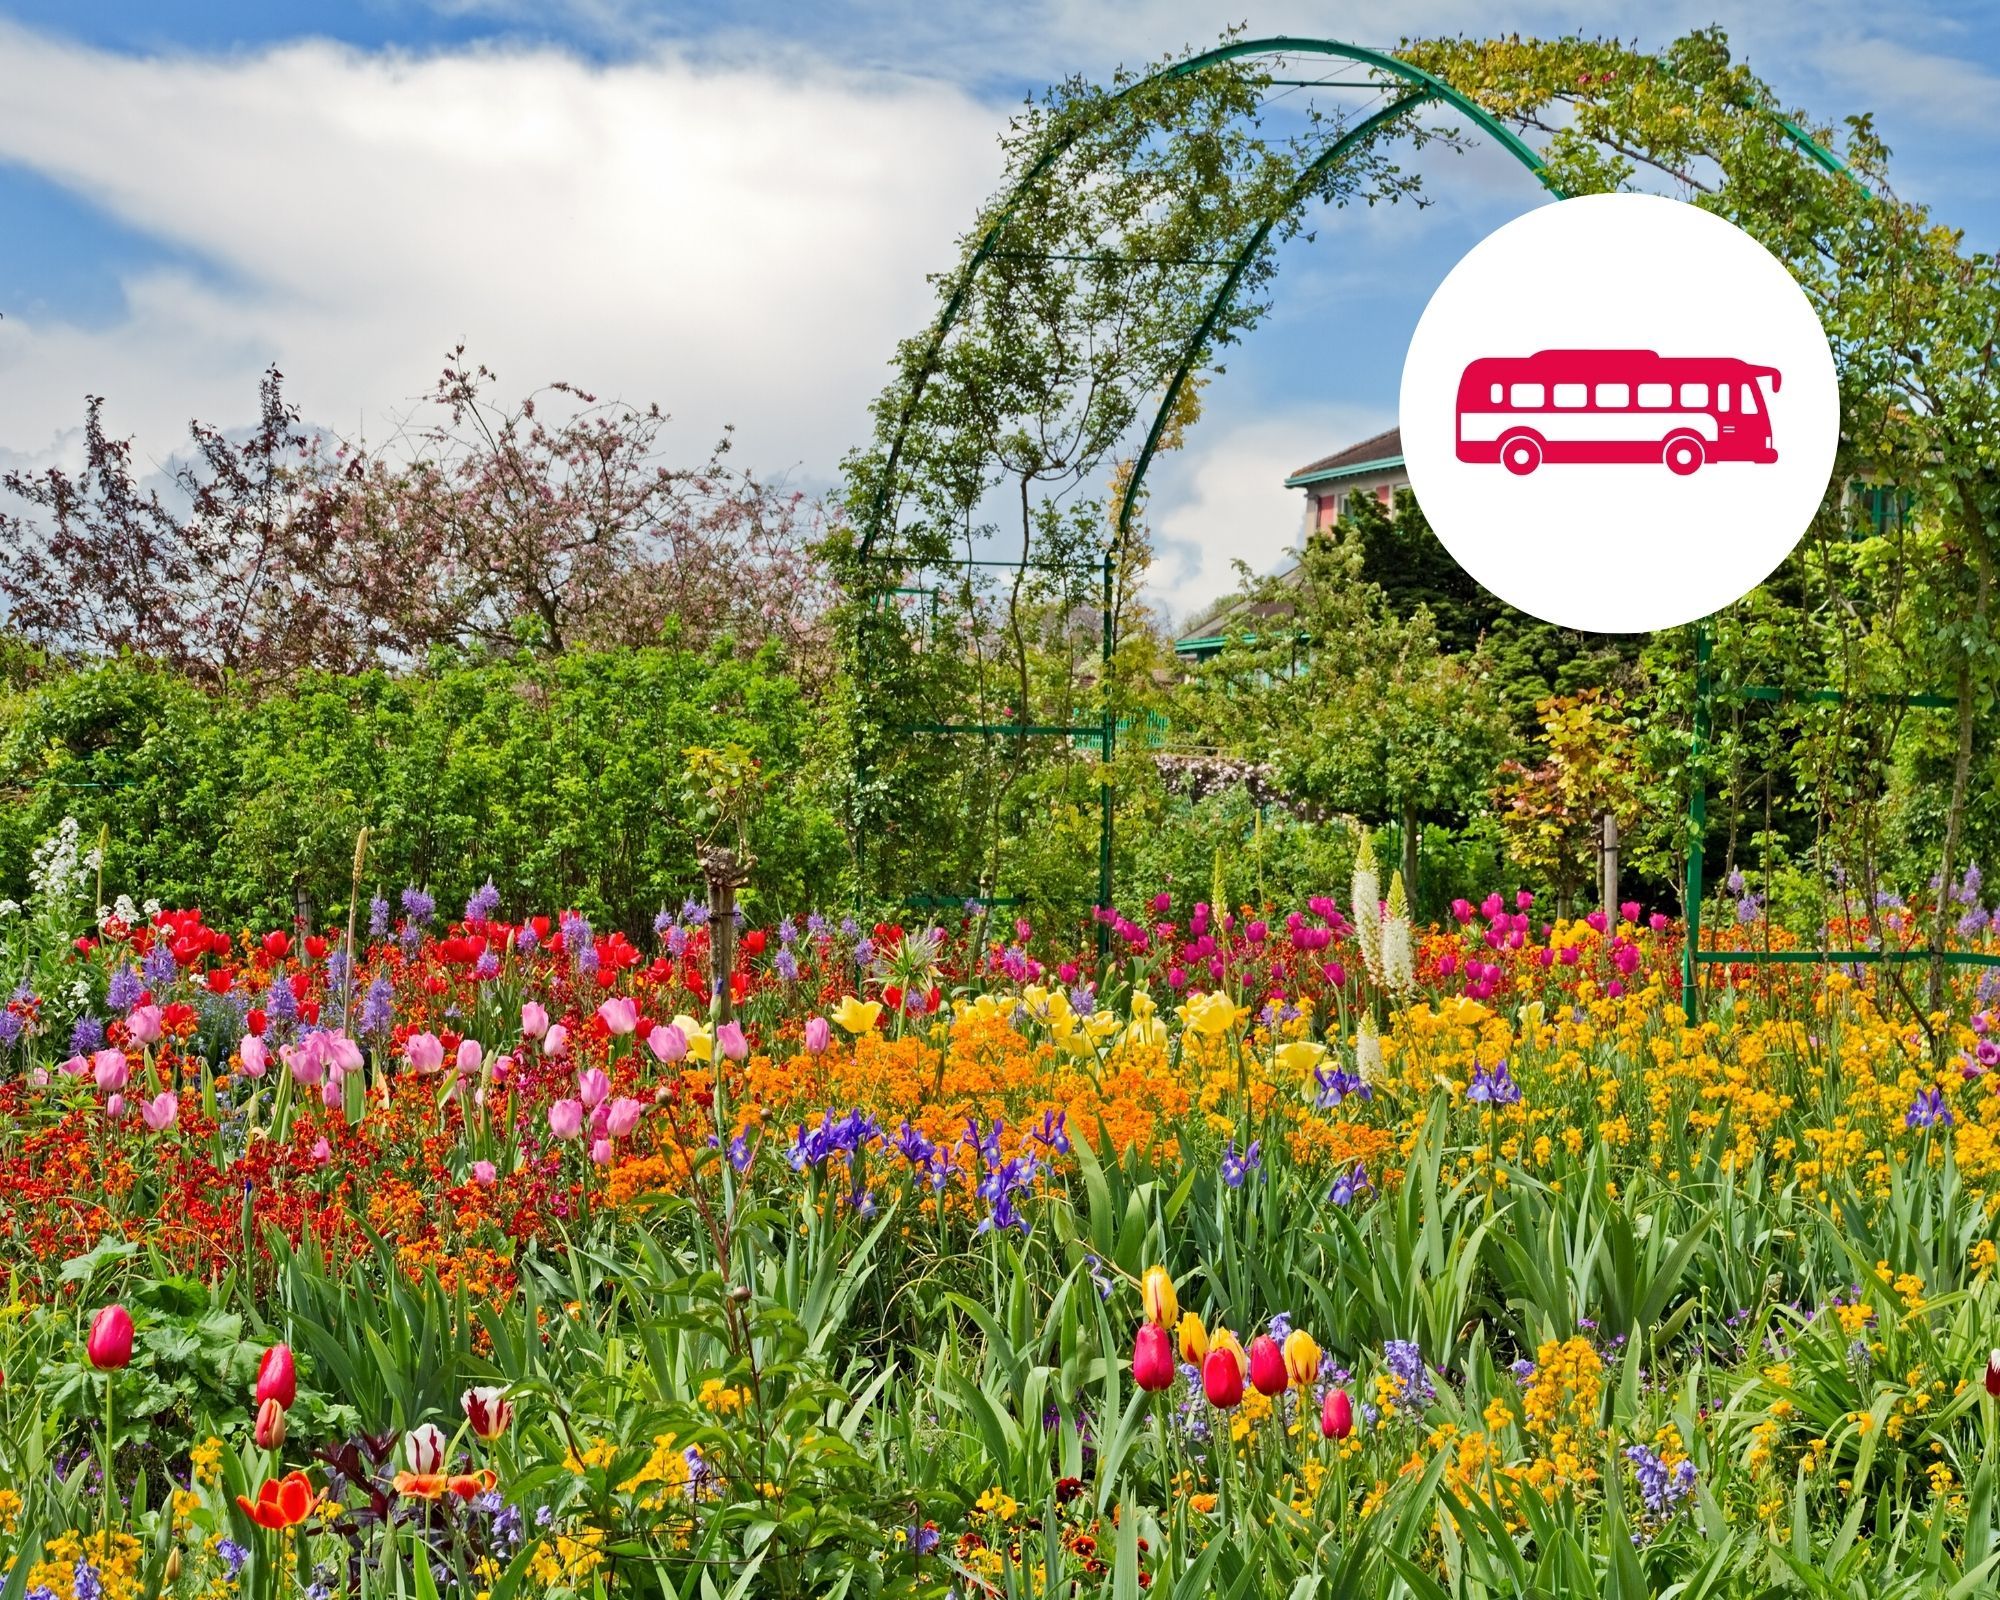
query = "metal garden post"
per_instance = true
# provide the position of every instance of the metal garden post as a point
(1697, 825)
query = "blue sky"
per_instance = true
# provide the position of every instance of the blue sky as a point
(730, 208)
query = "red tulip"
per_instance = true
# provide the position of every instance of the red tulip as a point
(110, 1342)
(1153, 1358)
(1222, 1379)
(1336, 1417)
(281, 1502)
(270, 1429)
(277, 1377)
(1267, 1366)
(277, 944)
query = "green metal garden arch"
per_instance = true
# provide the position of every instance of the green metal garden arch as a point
(1423, 88)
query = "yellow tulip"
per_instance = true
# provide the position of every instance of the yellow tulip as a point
(700, 1042)
(1301, 1357)
(1300, 1056)
(1194, 1339)
(1156, 1289)
(857, 1016)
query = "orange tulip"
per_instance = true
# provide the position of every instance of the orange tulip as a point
(436, 1485)
(281, 1502)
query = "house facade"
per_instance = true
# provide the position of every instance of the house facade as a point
(1372, 467)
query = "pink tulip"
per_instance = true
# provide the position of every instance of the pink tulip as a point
(145, 1024)
(730, 1041)
(484, 1174)
(114, 1108)
(322, 1152)
(256, 1059)
(503, 1067)
(161, 1112)
(619, 1015)
(424, 1052)
(331, 1095)
(75, 1067)
(592, 1087)
(555, 1041)
(112, 1070)
(469, 1058)
(304, 1062)
(600, 1152)
(818, 1034)
(667, 1043)
(110, 1343)
(534, 1020)
(566, 1118)
(624, 1116)
(38, 1077)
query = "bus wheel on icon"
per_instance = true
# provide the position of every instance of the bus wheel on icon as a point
(1619, 331)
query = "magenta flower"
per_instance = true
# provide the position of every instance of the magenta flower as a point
(818, 1034)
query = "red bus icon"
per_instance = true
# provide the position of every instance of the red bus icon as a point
(1563, 406)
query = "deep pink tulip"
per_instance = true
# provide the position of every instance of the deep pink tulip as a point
(277, 1377)
(110, 1343)
(1336, 1417)
(1267, 1366)
(1153, 1358)
(111, 1069)
(1222, 1379)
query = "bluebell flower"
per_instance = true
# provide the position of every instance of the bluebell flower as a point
(378, 1006)
(1406, 1361)
(1660, 1487)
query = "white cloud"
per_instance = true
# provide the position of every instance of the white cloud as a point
(742, 245)
(1228, 503)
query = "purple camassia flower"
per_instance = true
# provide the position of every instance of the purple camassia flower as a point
(1406, 1362)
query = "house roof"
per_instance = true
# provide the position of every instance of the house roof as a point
(1385, 449)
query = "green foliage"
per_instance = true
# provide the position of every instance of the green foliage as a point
(567, 778)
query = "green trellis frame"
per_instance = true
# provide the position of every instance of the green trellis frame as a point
(1423, 88)
(1693, 957)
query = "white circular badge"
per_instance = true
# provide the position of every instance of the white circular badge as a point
(1619, 413)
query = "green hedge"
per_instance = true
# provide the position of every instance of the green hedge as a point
(562, 779)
